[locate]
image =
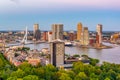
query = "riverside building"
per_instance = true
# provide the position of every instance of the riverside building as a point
(99, 35)
(79, 31)
(85, 37)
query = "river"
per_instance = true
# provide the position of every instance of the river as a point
(111, 55)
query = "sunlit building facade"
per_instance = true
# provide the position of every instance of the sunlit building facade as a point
(79, 31)
(85, 37)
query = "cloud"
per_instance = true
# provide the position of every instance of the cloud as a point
(24, 5)
(16, 1)
(108, 4)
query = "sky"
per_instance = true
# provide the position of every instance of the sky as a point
(17, 14)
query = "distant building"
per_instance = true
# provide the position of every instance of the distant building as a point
(57, 51)
(75, 36)
(17, 63)
(71, 35)
(79, 31)
(36, 32)
(57, 31)
(65, 35)
(44, 36)
(10, 33)
(2, 45)
(49, 36)
(45, 50)
(92, 41)
(115, 37)
(85, 37)
(34, 62)
(99, 35)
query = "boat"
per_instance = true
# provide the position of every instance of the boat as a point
(68, 44)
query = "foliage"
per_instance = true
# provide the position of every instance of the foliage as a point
(12, 78)
(93, 61)
(19, 73)
(76, 55)
(79, 71)
(31, 77)
(85, 56)
(64, 76)
(81, 76)
(24, 49)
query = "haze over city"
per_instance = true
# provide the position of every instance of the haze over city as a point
(59, 39)
(17, 14)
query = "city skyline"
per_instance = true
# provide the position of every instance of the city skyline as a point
(17, 14)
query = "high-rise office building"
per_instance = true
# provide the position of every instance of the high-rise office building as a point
(57, 51)
(57, 31)
(79, 31)
(36, 32)
(85, 37)
(99, 35)
(36, 27)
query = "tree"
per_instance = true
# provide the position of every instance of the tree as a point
(64, 76)
(81, 76)
(105, 66)
(31, 77)
(56, 75)
(50, 67)
(78, 67)
(107, 78)
(112, 74)
(93, 61)
(25, 48)
(102, 76)
(88, 69)
(39, 72)
(25, 65)
(1, 63)
(76, 55)
(118, 77)
(49, 71)
(19, 73)
(71, 74)
(93, 76)
(85, 56)
(12, 78)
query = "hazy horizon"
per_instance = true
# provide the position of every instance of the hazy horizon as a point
(17, 14)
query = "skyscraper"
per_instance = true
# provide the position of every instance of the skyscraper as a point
(36, 32)
(79, 31)
(36, 27)
(99, 35)
(57, 31)
(57, 51)
(85, 37)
